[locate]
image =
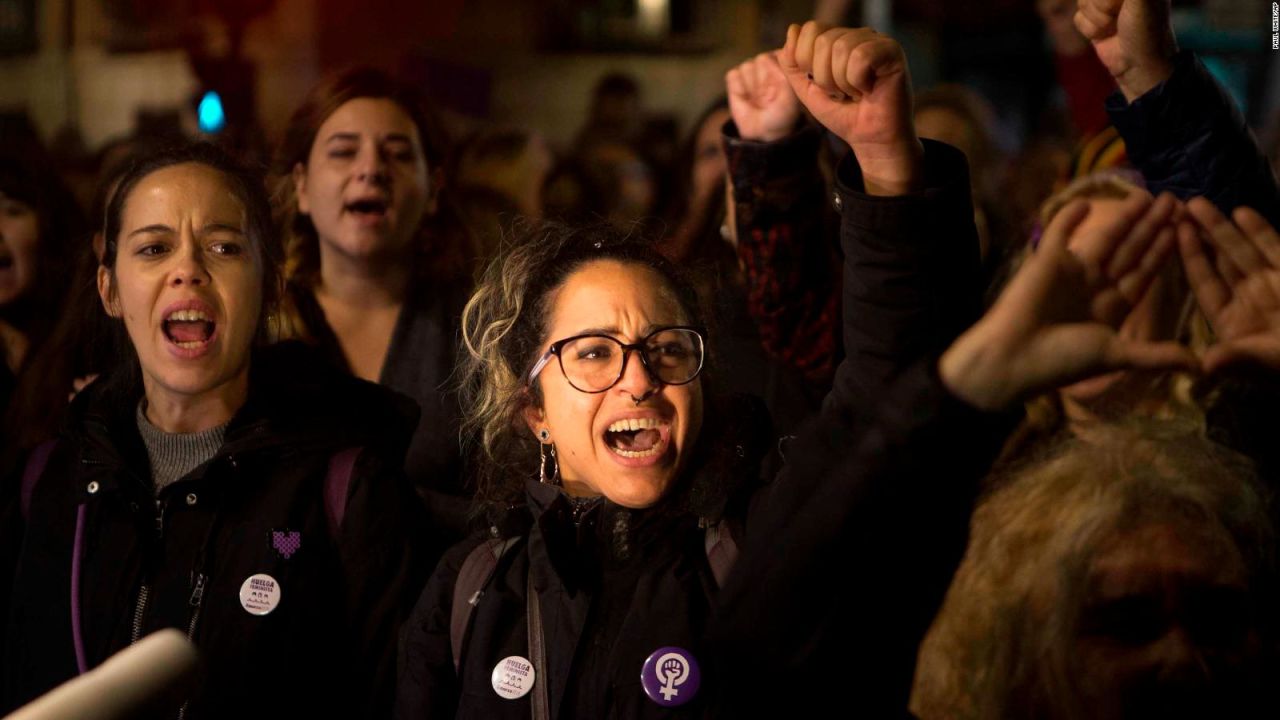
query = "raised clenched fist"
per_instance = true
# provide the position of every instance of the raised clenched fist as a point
(1133, 39)
(855, 82)
(761, 100)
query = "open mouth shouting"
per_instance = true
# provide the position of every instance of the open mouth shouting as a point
(638, 441)
(371, 208)
(190, 327)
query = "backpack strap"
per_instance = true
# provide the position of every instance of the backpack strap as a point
(31, 472)
(474, 576)
(722, 551)
(337, 483)
(539, 704)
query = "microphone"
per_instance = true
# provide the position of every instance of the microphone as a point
(128, 681)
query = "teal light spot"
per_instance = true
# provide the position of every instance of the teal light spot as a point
(210, 114)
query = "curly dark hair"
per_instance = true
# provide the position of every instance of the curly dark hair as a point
(504, 327)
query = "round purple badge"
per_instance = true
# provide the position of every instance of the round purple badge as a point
(671, 676)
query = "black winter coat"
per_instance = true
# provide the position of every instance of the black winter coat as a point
(915, 285)
(1188, 138)
(179, 558)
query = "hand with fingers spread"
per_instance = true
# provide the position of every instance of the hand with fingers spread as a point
(1133, 39)
(1236, 280)
(761, 100)
(1056, 321)
(855, 82)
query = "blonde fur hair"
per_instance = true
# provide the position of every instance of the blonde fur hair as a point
(1002, 644)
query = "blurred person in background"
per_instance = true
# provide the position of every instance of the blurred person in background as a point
(626, 183)
(696, 218)
(497, 177)
(699, 238)
(42, 242)
(1131, 576)
(510, 161)
(571, 194)
(1186, 137)
(1130, 573)
(615, 113)
(42, 233)
(962, 118)
(360, 206)
(1166, 312)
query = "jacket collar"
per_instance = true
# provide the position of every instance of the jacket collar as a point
(295, 402)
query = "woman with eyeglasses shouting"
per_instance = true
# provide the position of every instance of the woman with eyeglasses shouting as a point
(616, 481)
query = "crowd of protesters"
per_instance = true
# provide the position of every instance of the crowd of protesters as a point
(835, 406)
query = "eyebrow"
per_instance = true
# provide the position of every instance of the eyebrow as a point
(355, 137)
(207, 227)
(615, 331)
(151, 230)
(226, 227)
(611, 330)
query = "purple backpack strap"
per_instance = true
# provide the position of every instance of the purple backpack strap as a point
(31, 473)
(473, 577)
(722, 551)
(77, 556)
(337, 483)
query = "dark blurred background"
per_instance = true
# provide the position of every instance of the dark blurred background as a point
(82, 74)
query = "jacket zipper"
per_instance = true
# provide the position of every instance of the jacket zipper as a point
(159, 519)
(197, 599)
(139, 610)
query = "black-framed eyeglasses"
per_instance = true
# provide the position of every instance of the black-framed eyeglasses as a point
(594, 363)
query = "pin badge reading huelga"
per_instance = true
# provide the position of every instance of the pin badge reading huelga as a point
(513, 677)
(671, 676)
(259, 594)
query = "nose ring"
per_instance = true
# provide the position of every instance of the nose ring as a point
(642, 398)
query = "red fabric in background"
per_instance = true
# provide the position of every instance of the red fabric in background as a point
(1087, 84)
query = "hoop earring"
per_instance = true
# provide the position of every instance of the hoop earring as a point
(542, 464)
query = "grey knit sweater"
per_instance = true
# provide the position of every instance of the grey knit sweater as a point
(173, 455)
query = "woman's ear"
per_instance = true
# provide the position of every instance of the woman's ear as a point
(300, 188)
(107, 293)
(533, 415)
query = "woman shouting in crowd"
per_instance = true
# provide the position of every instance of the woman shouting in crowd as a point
(238, 492)
(618, 482)
(358, 196)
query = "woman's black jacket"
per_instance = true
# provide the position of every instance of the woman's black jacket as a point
(96, 526)
(614, 585)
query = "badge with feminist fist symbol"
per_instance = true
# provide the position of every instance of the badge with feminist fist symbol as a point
(671, 676)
